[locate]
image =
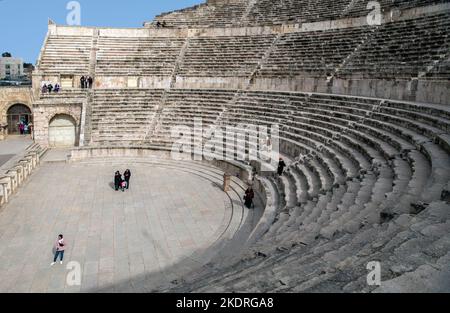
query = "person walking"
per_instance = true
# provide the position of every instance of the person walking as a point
(117, 181)
(60, 246)
(127, 176)
(281, 166)
(248, 198)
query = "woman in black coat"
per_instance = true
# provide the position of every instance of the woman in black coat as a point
(127, 176)
(117, 180)
(248, 198)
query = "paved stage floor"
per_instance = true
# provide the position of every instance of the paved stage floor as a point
(132, 241)
(12, 146)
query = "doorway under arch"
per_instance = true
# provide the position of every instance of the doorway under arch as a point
(62, 131)
(16, 115)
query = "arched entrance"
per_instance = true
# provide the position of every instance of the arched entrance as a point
(16, 115)
(62, 131)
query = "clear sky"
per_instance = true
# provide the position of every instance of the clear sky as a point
(23, 23)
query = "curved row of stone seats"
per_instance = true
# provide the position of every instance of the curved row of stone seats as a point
(278, 12)
(75, 93)
(182, 107)
(402, 49)
(360, 7)
(14, 177)
(224, 56)
(120, 116)
(405, 49)
(66, 55)
(314, 54)
(218, 14)
(137, 56)
(338, 264)
(380, 182)
(432, 141)
(439, 72)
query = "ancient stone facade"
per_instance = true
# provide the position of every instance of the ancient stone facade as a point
(10, 96)
(43, 115)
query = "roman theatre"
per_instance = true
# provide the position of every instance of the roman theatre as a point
(360, 95)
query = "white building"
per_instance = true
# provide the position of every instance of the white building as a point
(11, 68)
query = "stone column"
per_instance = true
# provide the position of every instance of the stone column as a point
(226, 182)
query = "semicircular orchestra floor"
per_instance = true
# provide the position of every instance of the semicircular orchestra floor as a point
(168, 224)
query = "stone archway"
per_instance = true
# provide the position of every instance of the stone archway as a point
(19, 114)
(62, 131)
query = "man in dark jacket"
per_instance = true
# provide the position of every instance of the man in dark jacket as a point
(248, 198)
(281, 166)
(117, 180)
(127, 176)
(82, 81)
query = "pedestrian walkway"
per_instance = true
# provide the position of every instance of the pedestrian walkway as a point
(11, 147)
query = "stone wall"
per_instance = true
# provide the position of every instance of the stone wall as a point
(43, 114)
(8, 97)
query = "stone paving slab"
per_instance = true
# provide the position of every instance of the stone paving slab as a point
(10, 148)
(118, 238)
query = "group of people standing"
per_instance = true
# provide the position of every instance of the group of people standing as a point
(250, 194)
(49, 88)
(122, 182)
(86, 82)
(24, 128)
(159, 24)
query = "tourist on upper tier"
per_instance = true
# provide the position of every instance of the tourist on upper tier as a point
(158, 24)
(50, 88)
(82, 81)
(44, 88)
(281, 166)
(127, 176)
(248, 198)
(57, 87)
(117, 181)
(60, 247)
(90, 81)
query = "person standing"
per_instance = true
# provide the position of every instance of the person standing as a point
(117, 181)
(127, 176)
(60, 247)
(21, 128)
(248, 198)
(90, 81)
(82, 81)
(281, 166)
